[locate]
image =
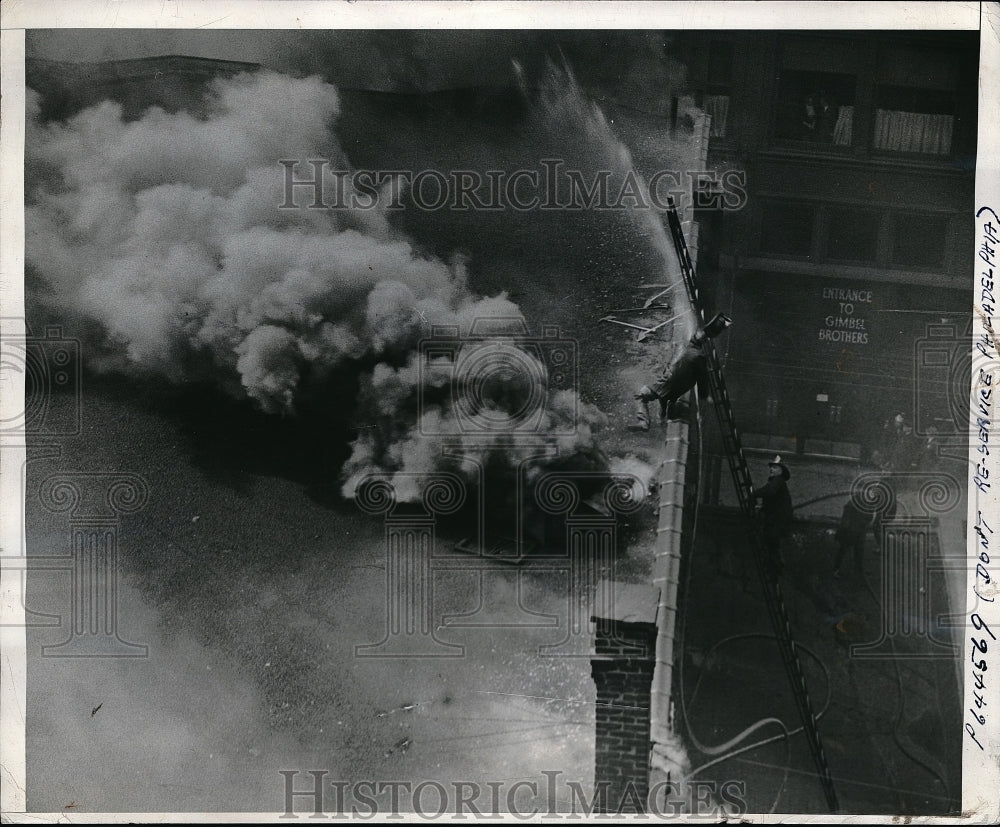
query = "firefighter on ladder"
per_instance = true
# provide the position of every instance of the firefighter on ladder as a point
(687, 370)
(775, 515)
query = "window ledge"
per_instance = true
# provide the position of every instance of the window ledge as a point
(948, 165)
(829, 269)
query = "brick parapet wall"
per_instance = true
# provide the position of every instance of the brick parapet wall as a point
(622, 669)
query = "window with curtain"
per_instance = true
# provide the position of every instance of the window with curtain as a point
(901, 131)
(817, 107)
(844, 126)
(717, 107)
(915, 101)
(715, 100)
(913, 120)
(817, 85)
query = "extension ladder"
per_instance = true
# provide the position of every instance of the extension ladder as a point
(744, 489)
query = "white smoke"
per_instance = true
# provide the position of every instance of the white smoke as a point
(445, 432)
(174, 233)
(167, 231)
(641, 474)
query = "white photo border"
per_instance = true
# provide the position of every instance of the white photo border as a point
(981, 767)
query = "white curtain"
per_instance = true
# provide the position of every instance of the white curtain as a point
(913, 132)
(843, 129)
(716, 106)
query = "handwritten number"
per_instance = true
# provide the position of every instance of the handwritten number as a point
(980, 625)
(972, 735)
(979, 644)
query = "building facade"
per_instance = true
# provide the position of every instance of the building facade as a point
(847, 265)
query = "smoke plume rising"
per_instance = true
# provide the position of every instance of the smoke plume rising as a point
(165, 234)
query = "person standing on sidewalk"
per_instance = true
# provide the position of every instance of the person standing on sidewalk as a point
(775, 512)
(884, 515)
(850, 536)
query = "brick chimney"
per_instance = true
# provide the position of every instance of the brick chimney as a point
(622, 669)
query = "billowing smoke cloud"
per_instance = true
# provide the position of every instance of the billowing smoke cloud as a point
(174, 234)
(445, 436)
(168, 231)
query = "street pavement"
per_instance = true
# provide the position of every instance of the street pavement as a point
(891, 726)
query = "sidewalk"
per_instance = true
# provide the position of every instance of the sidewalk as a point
(890, 726)
(821, 486)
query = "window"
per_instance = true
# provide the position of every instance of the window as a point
(715, 100)
(919, 240)
(787, 229)
(816, 106)
(852, 235)
(915, 101)
(816, 90)
(832, 92)
(717, 107)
